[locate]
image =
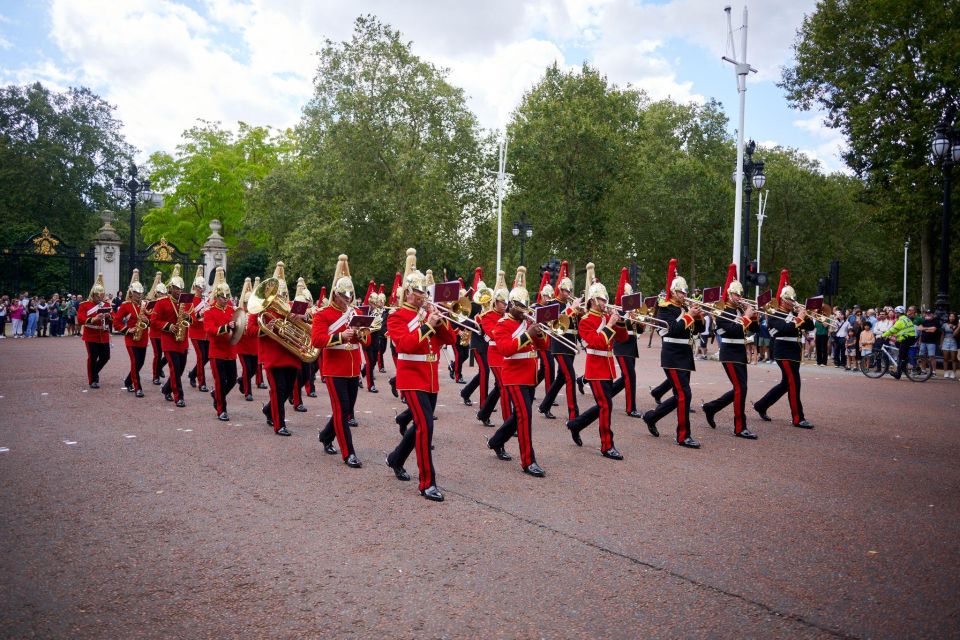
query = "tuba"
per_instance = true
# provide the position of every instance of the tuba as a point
(292, 333)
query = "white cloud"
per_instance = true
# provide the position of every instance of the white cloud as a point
(829, 144)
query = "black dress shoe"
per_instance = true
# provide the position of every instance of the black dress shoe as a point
(803, 424)
(689, 443)
(634, 414)
(248, 397)
(399, 471)
(94, 385)
(283, 431)
(328, 449)
(484, 421)
(574, 434)
(554, 404)
(373, 389)
(382, 370)
(547, 414)
(223, 417)
(262, 385)
(312, 394)
(193, 380)
(763, 414)
(353, 461)
(709, 416)
(432, 493)
(501, 453)
(168, 397)
(156, 381)
(580, 384)
(746, 433)
(612, 453)
(266, 414)
(460, 381)
(181, 403)
(535, 470)
(467, 401)
(393, 387)
(128, 388)
(204, 388)
(300, 408)
(352, 422)
(651, 425)
(139, 393)
(450, 370)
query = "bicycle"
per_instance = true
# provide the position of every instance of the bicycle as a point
(882, 360)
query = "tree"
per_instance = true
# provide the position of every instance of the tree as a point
(885, 72)
(58, 155)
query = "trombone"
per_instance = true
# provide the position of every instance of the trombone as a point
(452, 315)
(556, 334)
(636, 315)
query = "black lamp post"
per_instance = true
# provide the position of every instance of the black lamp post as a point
(946, 152)
(132, 188)
(753, 176)
(522, 230)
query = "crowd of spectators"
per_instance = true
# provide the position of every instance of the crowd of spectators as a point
(31, 316)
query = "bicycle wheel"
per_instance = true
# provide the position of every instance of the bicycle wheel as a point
(874, 365)
(920, 373)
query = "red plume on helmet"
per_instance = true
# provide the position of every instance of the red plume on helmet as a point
(380, 289)
(561, 274)
(784, 281)
(460, 280)
(477, 277)
(731, 276)
(621, 286)
(323, 294)
(671, 274)
(371, 287)
(544, 281)
(396, 287)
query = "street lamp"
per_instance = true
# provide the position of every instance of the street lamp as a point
(132, 188)
(523, 230)
(946, 152)
(753, 178)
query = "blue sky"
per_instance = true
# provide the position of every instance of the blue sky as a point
(165, 64)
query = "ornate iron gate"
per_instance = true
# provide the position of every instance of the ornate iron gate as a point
(160, 256)
(43, 264)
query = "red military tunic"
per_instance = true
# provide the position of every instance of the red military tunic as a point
(249, 344)
(216, 321)
(88, 311)
(488, 322)
(271, 353)
(126, 319)
(163, 318)
(418, 349)
(598, 337)
(519, 351)
(197, 330)
(340, 359)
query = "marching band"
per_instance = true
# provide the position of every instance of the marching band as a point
(519, 343)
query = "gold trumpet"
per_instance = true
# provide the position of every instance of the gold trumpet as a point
(453, 313)
(635, 315)
(292, 333)
(556, 334)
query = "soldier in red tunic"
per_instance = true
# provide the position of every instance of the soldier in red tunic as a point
(131, 320)
(519, 342)
(599, 330)
(419, 331)
(157, 290)
(280, 365)
(93, 315)
(247, 348)
(198, 334)
(488, 323)
(219, 323)
(166, 315)
(306, 376)
(341, 345)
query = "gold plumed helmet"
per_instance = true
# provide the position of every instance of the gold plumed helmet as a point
(429, 277)
(245, 292)
(547, 292)
(500, 291)
(735, 287)
(679, 284)
(627, 289)
(157, 287)
(413, 280)
(483, 296)
(175, 278)
(595, 289)
(303, 292)
(519, 294)
(220, 286)
(135, 286)
(789, 293)
(98, 287)
(342, 283)
(282, 292)
(199, 280)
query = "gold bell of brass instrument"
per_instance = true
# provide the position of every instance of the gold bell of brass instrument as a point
(292, 333)
(182, 324)
(137, 333)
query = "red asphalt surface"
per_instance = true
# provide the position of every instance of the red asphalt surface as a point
(130, 518)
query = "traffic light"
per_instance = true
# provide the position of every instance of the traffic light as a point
(755, 278)
(834, 278)
(552, 267)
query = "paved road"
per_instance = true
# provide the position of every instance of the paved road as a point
(127, 518)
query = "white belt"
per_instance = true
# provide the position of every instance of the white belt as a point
(417, 357)
(602, 354)
(733, 341)
(631, 333)
(791, 339)
(491, 343)
(677, 340)
(343, 347)
(521, 356)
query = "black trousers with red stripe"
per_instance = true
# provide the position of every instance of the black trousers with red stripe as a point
(98, 353)
(627, 381)
(259, 373)
(565, 375)
(737, 374)
(201, 351)
(159, 358)
(481, 380)
(497, 395)
(381, 349)
(546, 371)
(248, 367)
(405, 417)
(282, 381)
(370, 353)
(789, 384)
(603, 394)
(420, 437)
(680, 400)
(224, 379)
(308, 377)
(519, 422)
(137, 356)
(174, 383)
(343, 393)
(661, 389)
(460, 355)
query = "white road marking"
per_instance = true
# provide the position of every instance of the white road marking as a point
(127, 435)
(4, 449)
(69, 442)
(44, 393)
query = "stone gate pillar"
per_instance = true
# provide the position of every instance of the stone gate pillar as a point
(106, 250)
(214, 251)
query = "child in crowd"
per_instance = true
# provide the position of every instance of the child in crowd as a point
(853, 336)
(867, 340)
(951, 330)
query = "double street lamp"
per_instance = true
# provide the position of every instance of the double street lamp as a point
(946, 152)
(753, 178)
(523, 230)
(133, 188)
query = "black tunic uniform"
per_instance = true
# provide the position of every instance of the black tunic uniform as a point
(733, 357)
(787, 336)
